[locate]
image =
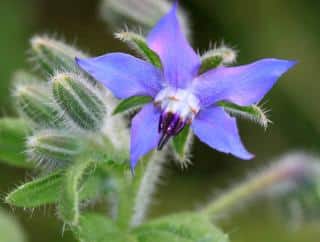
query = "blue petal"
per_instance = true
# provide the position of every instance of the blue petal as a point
(124, 74)
(180, 62)
(218, 130)
(144, 133)
(243, 85)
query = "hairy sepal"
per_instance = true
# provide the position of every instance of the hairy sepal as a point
(139, 44)
(253, 113)
(217, 57)
(131, 104)
(181, 145)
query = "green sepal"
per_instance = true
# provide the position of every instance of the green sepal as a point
(139, 43)
(13, 133)
(253, 112)
(216, 57)
(186, 227)
(52, 55)
(131, 103)
(69, 201)
(210, 62)
(181, 142)
(81, 101)
(38, 192)
(97, 228)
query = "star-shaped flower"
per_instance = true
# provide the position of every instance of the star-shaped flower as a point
(181, 96)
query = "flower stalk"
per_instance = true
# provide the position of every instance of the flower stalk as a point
(282, 172)
(146, 188)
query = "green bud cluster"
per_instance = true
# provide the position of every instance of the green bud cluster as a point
(63, 108)
(73, 126)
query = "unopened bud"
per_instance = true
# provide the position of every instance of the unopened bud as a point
(53, 147)
(145, 13)
(52, 55)
(34, 102)
(80, 100)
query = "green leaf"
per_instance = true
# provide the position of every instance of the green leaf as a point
(70, 195)
(139, 43)
(13, 133)
(44, 190)
(186, 227)
(97, 228)
(181, 143)
(10, 229)
(131, 103)
(253, 112)
(38, 192)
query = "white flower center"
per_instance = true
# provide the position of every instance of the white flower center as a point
(178, 108)
(179, 102)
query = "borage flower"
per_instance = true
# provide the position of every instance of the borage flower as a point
(182, 96)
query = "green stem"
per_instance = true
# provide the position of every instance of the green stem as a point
(277, 173)
(146, 188)
(69, 199)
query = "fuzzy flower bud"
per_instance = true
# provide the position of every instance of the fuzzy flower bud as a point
(53, 147)
(145, 13)
(34, 102)
(80, 100)
(51, 54)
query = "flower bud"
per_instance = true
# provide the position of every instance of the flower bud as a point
(145, 14)
(52, 55)
(34, 102)
(53, 147)
(80, 100)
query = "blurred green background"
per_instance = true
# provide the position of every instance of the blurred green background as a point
(286, 29)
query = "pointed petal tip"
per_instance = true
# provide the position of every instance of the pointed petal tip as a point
(286, 64)
(292, 63)
(246, 156)
(289, 63)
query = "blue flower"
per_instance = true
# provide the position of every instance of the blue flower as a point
(180, 95)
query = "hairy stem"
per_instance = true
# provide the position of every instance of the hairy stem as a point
(146, 189)
(283, 171)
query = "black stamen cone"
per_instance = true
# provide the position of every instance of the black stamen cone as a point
(163, 140)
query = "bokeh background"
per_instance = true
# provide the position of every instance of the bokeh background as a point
(286, 29)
